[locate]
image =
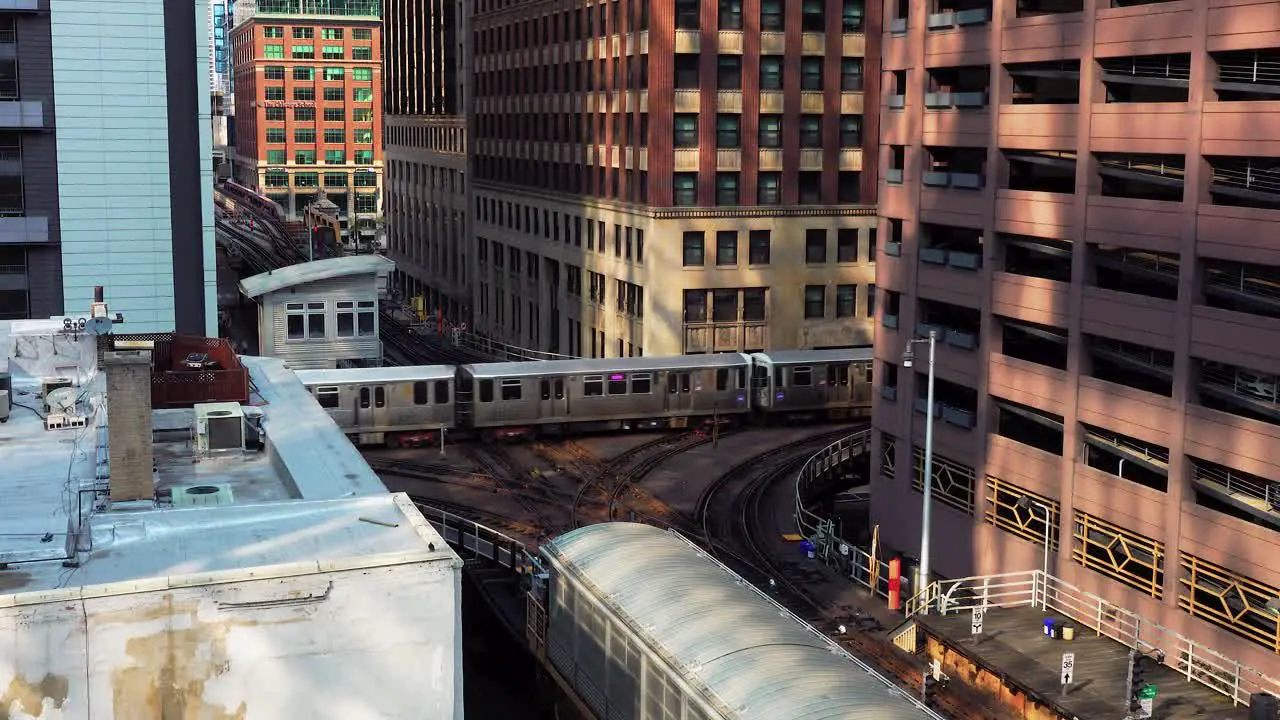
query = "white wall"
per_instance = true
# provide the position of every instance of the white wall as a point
(204, 58)
(113, 161)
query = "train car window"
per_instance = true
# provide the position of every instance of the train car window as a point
(593, 386)
(801, 376)
(722, 379)
(617, 384)
(559, 388)
(777, 378)
(511, 389)
(684, 382)
(742, 378)
(420, 393)
(868, 370)
(641, 383)
(486, 391)
(672, 380)
(831, 375)
(327, 397)
(842, 375)
(380, 397)
(364, 397)
(442, 392)
(545, 389)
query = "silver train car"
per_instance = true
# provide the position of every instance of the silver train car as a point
(391, 405)
(635, 393)
(414, 405)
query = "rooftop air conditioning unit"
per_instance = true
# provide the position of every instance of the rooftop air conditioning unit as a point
(202, 495)
(219, 427)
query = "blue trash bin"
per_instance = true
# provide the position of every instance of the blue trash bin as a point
(1048, 627)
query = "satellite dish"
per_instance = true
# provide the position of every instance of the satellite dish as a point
(98, 326)
(62, 400)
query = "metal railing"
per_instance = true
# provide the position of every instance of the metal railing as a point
(460, 337)
(1236, 482)
(481, 540)
(837, 553)
(1034, 588)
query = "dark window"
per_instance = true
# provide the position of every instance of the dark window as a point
(559, 388)
(486, 391)
(847, 245)
(811, 131)
(694, 249)
(686, 71)
(685, 189)
(753, 304)
(364, 397)
(442, 392)
(727, 188)
(729, 72)
(728, 131)
(815, 245)
(770, 131)
(851, 16)
(511, 389)
(815, 302)
(618, 384)
(593, 386)
(801, 377)
(685, 132)
(327, 397)
(771, 16)
(771, 72)
(722, 379)
(758, 250)
(695, 306)
(727, 247)
(813, 16)
(769, 188)
(851, 74)
(730, 14)
(379, 397)
(420, 393)
(850, 131)
(687, 14)
(724, 306)
(641, 383)
(845, 300)
(811, 73)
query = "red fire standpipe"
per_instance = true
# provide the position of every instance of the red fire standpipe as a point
(97, 294)
(895, 583)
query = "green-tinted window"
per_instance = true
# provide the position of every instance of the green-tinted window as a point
(304, 93)
(333, 94)
(361, 34)
(362, 114)
(304, 52)
(274, 93)
(275, 157)
(362, 52)
(366, 202)
(304, 135)
(275, 135)
(304, 157)
(335, 157)
(364, 136)
(306, 179)
(275, 114)
(364, 157)
(276, 178)
(333, 52)
(334, 136)
(304, 114)
(334, 114)
(333, 73)
(362, 94)
(273, 72)
(366, 179)
(335, 179)
(272, 31)
(273, 52)
(304, 73)
(362, 73)
(303, 33)
(331, 33)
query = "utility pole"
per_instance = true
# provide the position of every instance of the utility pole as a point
(715, 425)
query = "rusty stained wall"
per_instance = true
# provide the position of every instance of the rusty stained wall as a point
(960, 668)
(376, 643)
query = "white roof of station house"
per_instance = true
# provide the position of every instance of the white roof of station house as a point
(373, 376)
(314, 271)
(580, 366)
(801, 357)
(733, 645)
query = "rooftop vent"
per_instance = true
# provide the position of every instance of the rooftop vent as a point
(202, 495)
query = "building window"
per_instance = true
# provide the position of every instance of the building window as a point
(304, 157)
(685, 189)
(335, 157)
(345, 317)
(815, 246)
(305, 321)
(276, 178)
(758, 247)
(304, 33)
(304, 73)
(273, 52)
(686, 71)
(770, 72)
(306, 180)
(846, 302)
(275, 157)
(273, 92)
(362, 74)
(695, 306)
(363, 136)
(273, 31)
(815, 302)
(334, 136)
(730, 14)
(811, 73)
(851, 16)
(687, 14)
(850, 131)
(813, 16)
(275, 135)
(331, 34)
(727, 247)
(306, 136)
(728, 129)
(362, 94)
(362, 52)
(273, 72)
(727, 188)
(364, 157)
(367, 202)
(304, 114)
(304, 93)
(810, 131)
(769, 188)
(364, 178)
(729, 72)
(694, 249)
(361, 34)
(851, 74)
(771, 17)
(770, 131)
(335, 179)
(724, 306)
(871, 301)
(685, 132)
(304, 52)
(847, 245)
(274, 114)
(332, 114)
(361, 115)
(334, 73)
(333, 94)
(332, 52)
(753, 304)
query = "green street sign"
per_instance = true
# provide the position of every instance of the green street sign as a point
(1148, 692)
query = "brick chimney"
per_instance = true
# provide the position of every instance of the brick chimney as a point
(129, 448)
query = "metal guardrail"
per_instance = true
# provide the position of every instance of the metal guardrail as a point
(463, 339)
(481, 540)
(837, 553)
(1034, 588)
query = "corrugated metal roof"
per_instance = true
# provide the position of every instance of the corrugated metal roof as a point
(800, 357)
(730, 641)
(307, 272)
(580, 366)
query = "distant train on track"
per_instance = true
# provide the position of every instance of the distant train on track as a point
(522, 400)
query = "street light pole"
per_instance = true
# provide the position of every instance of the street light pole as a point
(1027, 501)
(926, 511)
(311, 242)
